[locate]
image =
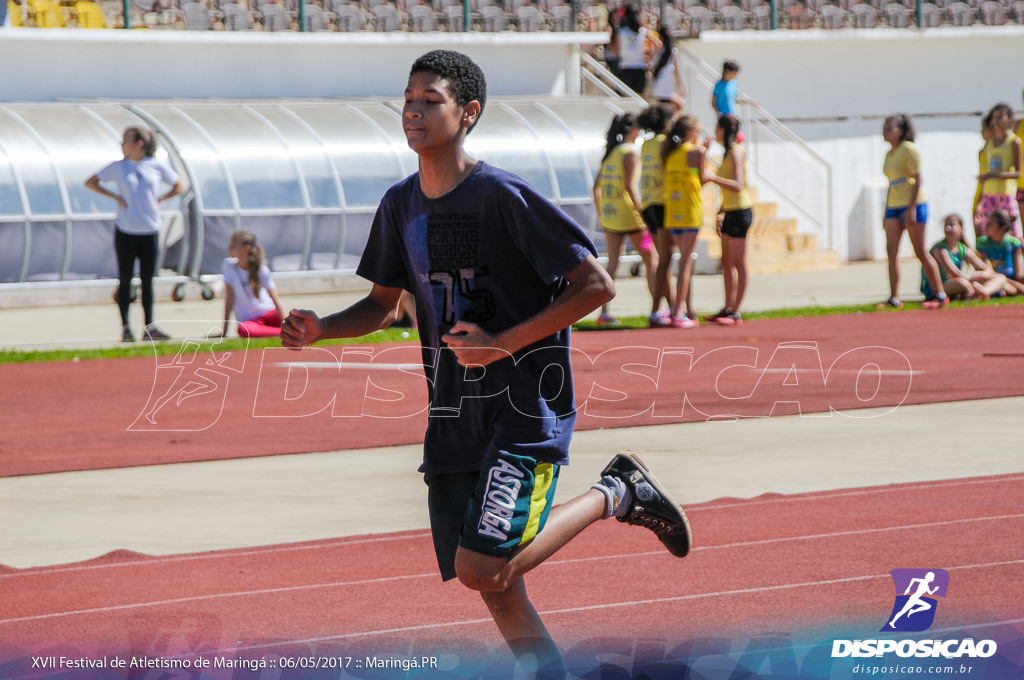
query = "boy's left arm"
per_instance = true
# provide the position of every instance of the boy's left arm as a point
(589, 287)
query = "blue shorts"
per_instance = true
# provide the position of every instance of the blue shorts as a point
(684, 230)
(900, 213)
(491, 512)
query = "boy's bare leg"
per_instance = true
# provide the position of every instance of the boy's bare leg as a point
(523, 630)
(495, 574)
(501, 585)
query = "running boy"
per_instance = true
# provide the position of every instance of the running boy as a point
(499, 274)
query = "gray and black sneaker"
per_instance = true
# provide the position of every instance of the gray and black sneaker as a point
(650, 504)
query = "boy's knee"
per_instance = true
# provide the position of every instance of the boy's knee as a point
(480, 572)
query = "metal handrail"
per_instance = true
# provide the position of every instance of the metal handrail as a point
(596, 72)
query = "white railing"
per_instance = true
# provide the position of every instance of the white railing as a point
(794, 175)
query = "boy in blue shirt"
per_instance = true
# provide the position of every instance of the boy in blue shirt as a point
(723, 96)
(499, 274)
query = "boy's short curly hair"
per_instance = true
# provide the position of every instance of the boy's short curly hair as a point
(464, 77)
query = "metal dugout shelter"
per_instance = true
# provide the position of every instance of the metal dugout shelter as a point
(304, 175)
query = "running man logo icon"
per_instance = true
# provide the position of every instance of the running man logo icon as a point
(914, 610)
(189, 388)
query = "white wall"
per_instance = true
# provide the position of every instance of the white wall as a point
(830, 87)
(833, 88)
(52, 64)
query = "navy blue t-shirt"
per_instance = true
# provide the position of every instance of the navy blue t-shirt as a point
(492, 252)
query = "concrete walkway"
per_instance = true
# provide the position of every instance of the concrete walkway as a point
(159, 510)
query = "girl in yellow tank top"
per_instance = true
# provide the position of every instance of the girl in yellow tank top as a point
(684, 212)
(1001, 168)
(906, 209)
(617, 201)
(734, 219)
(656, 120)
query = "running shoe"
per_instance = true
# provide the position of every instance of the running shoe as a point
(659, 320)
(892, 303)
(127, 335)
(649, 504)
(722, 312)
(607, 320)
(155, 334)
(731, 319)
(937, 302)
(683, 322)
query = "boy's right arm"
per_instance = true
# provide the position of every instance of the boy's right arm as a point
(379, 309)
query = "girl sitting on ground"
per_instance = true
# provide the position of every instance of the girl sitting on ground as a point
(1002, 251)
(954, 256)
(249, 289)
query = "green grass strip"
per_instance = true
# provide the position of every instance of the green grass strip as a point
(145, 349)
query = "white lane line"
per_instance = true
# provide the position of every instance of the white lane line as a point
(388, 579)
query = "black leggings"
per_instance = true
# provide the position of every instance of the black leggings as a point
(130, 247)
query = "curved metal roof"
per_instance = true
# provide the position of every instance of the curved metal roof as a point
(305, 175)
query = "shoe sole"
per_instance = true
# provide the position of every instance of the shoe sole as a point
(653, 481)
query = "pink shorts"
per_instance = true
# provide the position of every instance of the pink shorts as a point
(989, 203)
(265, 326)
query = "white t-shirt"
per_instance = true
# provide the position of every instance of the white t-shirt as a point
(664, 85)
(632, 48)
(247, 306)
(138, 183)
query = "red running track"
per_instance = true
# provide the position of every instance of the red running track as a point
(91, 414)
(783, 568)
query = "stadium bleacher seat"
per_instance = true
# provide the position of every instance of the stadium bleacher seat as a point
(931, 15)
(494, 19)
(89, 15)
(960, 14)
(350, 18)
(386, 18)
(834, 17)
(701, 19)
(898, 16)
(317, 19)
(422, 18)
(992, 13)
(237, 17)
(16, 12)
(734, 18)
(275, 17)
(561, 18)
(864, 16)
(197, 16)
(46, 14)
(529, 19)
(454, 18)
(762, 17)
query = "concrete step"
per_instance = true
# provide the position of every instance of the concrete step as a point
(782, 262)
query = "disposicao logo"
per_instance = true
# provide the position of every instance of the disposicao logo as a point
(916, 590)
(914, 611)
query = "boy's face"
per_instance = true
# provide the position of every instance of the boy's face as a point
(431, 118)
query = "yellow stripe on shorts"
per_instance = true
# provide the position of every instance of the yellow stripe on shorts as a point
(543, 474)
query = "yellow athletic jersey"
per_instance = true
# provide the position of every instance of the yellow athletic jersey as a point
(652, 173)
(735, 200)
(1020, 133)
(977, 191)
(616, 211)
(684, 209)
(999, 159)
(900, 164)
